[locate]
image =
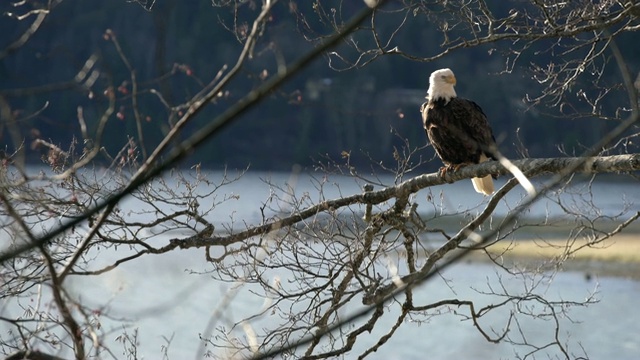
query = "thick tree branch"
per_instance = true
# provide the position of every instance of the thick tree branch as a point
(531, 167)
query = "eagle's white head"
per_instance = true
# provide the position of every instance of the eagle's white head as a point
(441, 84)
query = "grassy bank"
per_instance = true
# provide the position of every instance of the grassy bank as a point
(615, 256)
(624, 248)
(538, 241)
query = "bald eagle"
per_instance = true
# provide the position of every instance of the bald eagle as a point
(457, 128)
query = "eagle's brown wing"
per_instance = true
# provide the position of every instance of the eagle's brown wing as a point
(473, 123)
(458, 130)
(461, 135)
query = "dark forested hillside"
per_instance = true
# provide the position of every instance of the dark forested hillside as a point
(178, 45)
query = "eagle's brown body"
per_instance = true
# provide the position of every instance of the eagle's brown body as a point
(457, 128)
(458, 131)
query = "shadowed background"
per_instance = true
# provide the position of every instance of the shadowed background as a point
(178, 46)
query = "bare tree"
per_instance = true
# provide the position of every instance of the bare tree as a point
(330, 273)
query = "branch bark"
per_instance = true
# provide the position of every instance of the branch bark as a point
(531, 167)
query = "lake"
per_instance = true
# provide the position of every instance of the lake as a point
(171, 296)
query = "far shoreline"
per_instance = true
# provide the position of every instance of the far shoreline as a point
(617, 256)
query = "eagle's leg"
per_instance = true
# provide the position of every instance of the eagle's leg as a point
(444, 170)
(451, 168)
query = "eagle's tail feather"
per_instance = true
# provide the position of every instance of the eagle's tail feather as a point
(483, 185)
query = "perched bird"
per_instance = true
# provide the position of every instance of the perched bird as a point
(457, 128)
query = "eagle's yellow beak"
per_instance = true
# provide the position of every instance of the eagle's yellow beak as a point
(451, 79)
